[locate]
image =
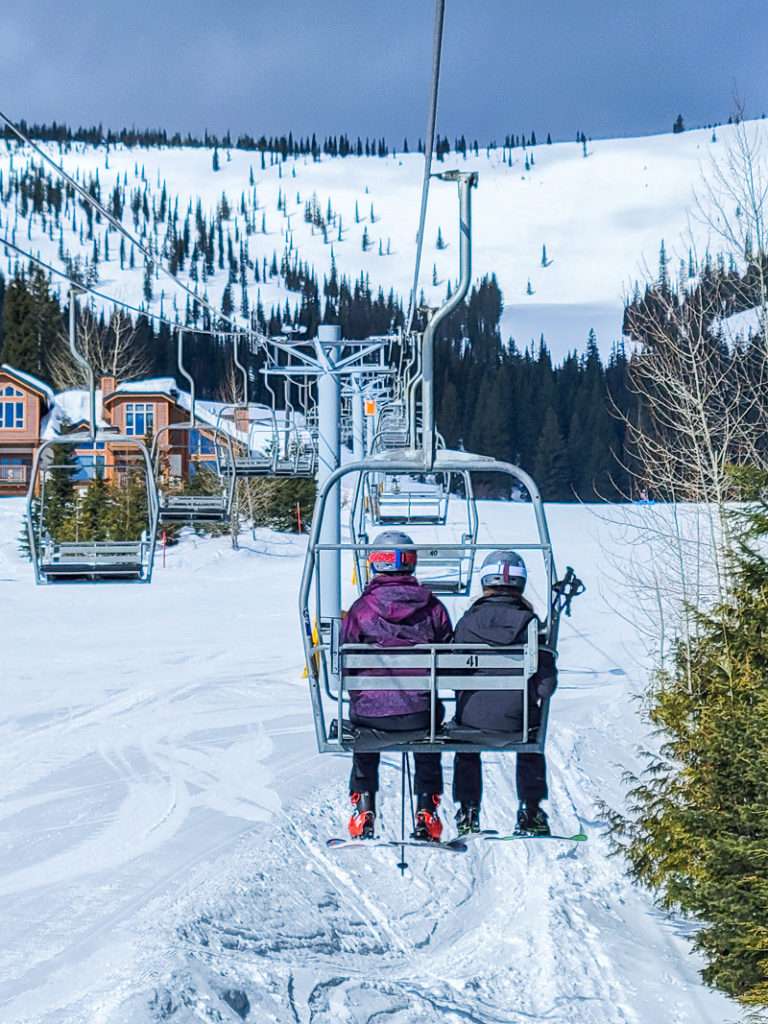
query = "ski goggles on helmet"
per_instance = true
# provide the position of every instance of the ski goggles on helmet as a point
(392, 561)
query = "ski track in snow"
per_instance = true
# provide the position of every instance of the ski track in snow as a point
(164, 816)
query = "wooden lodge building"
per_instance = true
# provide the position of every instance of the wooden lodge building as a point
(30, 414)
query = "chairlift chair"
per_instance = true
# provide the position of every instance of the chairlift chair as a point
(295, 450)
(251, 457)
(194, 473)
(394, 501)
(444, 566)
(392, 428)
(193, 465)
(254, 441)
(67, 547)
(334, 670)
(72, 551)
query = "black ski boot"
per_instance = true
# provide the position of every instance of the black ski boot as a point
(428, 828)
(363, 815)
(531, 821)
(468, 819)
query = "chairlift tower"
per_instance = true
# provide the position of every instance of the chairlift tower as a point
(331, 361)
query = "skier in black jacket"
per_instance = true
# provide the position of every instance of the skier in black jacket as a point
(501, 617)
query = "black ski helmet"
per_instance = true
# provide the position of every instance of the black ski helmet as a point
(503, 568)
(387, 554)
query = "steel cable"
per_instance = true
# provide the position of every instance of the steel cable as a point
(428, 147)
(117, 225)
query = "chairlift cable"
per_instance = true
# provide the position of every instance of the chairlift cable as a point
(86, 289)
(428, 147)
(116, 224)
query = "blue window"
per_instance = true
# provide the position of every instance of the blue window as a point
(200, 444)
(90, 467)
(139, 418)
(11, 408)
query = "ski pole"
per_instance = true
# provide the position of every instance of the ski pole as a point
(402, 864)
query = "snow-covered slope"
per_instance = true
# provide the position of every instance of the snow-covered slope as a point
(164, 813)
(601, 219)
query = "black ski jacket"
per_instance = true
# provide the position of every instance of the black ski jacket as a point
(500, 620)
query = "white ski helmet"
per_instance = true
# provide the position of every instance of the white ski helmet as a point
(503, 568)
(387, 554)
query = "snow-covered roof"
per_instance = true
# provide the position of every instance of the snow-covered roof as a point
(29, 379)
(153, 385)
(70, 407)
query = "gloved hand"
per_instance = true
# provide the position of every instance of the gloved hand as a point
(546, 687)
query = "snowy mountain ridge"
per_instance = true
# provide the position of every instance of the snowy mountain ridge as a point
(567, 235)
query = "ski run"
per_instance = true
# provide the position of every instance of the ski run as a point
(165, 815)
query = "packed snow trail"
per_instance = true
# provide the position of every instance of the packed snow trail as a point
(164, 817)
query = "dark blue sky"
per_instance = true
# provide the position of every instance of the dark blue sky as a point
(605, 67)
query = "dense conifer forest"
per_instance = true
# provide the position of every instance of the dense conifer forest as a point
(563, 424)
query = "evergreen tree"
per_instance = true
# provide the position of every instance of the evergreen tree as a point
(94, 513)
(60, 500)
(677, 127)
(663, 279)
(147, 287)
(698, 828)
(21, 342)
(447, 414)
(226, 301)
(549, 466)
(130, 514)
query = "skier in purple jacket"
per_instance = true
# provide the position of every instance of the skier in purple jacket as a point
(395, 610)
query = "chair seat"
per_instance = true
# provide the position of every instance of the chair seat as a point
(449, 737)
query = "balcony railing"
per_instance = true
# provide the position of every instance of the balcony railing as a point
(16, 476)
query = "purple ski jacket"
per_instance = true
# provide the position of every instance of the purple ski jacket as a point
(394, 611)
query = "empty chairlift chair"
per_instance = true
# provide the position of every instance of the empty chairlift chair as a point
(402, 500)
(193, 466)
(92, 509)
(253, 434)
(193, 472)
(445, 562)
(295, 447)
(392, 429)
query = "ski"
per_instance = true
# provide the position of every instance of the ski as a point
(452, 846)
(484, 833)
(579, 837)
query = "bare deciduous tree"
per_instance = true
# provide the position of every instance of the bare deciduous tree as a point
(732, 202)
(112, 351)
(703, 401)
(230, 388)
